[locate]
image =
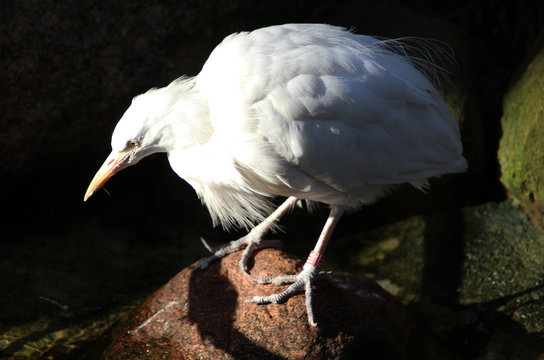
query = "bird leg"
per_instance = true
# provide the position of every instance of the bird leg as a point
(252, 241)
(304, 280)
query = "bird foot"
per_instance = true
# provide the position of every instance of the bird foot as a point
(303, 281)
(251, 243)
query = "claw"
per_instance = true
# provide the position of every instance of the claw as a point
(301, 282)
(203, 264)
(252, 241)
(206, 245)
(249, 242)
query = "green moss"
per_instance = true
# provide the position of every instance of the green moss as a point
(521, 152)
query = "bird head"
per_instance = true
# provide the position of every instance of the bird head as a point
(137, 135)
(161, 120)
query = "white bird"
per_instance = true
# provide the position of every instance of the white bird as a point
(303, 111)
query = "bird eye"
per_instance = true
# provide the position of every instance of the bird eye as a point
(133, 143)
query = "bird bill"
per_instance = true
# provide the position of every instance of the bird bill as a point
(115, 162)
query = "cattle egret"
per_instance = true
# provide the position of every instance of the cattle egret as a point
(302, 111)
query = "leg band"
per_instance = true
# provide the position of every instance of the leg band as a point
(314, 259)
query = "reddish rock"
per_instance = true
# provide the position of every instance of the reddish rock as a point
(203, 314)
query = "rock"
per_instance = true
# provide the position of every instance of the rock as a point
(503, 264)
(473, 275)
(521, 152)
(203, 314)
(392, 255)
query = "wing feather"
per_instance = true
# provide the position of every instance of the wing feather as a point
(319, 102)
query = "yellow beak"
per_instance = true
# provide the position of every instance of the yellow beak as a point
(115, 162)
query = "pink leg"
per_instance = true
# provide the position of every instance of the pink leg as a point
(316, 256)
(305, 279)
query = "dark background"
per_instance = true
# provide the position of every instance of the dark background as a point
(70, 69)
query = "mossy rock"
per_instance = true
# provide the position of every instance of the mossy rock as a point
(521, 151)
(471, 278)
(503, 265)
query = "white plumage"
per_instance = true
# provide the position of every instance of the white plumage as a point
(301, 110)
